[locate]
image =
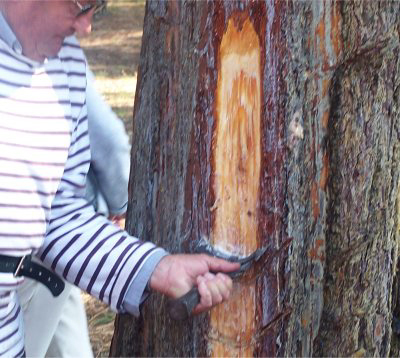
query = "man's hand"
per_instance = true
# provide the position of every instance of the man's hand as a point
(175, 275)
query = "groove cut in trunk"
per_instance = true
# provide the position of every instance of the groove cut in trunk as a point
(237, 158)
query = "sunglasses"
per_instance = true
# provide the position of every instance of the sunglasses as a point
(84, 9)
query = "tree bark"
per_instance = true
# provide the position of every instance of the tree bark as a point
(257, 123)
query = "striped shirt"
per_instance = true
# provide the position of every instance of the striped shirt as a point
(44, 160)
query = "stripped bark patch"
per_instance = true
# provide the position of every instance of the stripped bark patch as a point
(237, 162)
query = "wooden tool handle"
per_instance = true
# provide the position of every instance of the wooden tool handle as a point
(182, 307)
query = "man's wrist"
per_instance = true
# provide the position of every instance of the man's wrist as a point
(137, 290)
(157, 278)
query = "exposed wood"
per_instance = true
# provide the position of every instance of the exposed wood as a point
(236, 174)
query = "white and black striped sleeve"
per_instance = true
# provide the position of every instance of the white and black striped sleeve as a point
(84, 247)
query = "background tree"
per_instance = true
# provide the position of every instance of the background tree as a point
(260, 122)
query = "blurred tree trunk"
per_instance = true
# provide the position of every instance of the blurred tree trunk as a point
(255, 122)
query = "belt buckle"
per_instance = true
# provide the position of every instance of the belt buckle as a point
(20, 265)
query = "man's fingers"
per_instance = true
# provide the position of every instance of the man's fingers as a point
(209, 276)
(205, 297)
(215, 264)
(213, 289)
(227, 283)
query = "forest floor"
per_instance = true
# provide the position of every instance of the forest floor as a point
(113, 50)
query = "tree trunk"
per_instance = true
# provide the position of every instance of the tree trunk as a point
(257, 123)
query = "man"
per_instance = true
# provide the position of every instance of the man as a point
(43, 165)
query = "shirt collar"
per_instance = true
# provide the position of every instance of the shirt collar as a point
(8, 36)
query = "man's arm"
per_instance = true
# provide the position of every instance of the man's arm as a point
(84, 247)
(93, 254)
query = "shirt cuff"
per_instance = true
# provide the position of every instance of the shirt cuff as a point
(137, 293)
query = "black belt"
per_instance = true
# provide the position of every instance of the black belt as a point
(24, 266)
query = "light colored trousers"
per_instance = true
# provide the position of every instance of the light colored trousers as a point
(54, 326)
